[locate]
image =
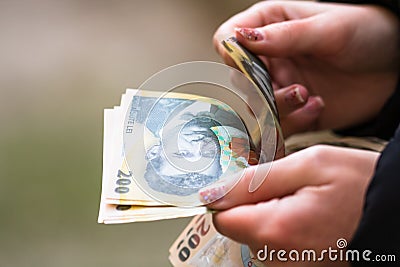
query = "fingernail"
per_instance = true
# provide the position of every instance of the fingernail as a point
(208, 195)
(314, 105)
(294, 97)
(250, 34)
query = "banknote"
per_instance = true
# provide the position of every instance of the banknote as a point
(180, 143)
(115, 214)
(200, 245)
(117, 178)
(327, 137)
(253, 68)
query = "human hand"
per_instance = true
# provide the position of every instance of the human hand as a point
(309, 200)
(346, 54)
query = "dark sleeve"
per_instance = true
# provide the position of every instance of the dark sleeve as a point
(379, 227)
(383, 125)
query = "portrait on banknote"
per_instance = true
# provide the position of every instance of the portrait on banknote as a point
(190, 142)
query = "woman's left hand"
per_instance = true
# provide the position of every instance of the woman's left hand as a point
(309, 200)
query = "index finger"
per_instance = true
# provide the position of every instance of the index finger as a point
(250, 17)
(262, 14)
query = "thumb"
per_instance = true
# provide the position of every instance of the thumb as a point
(286, 38)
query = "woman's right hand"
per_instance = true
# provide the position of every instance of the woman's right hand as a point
(346, 54)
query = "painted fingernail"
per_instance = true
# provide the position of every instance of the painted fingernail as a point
(250, 34)
(294, 97)
(314, 105)
(208, 195)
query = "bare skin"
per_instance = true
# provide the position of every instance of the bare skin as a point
(346, 54)
(343, 60)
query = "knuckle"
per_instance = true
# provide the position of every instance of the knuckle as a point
(277, 230)
(278, 233)
(257, 6)
(316, 156)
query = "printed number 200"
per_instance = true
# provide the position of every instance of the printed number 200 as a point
(123, 181)
(194, 239)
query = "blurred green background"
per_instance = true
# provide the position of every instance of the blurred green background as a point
(61, 63)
